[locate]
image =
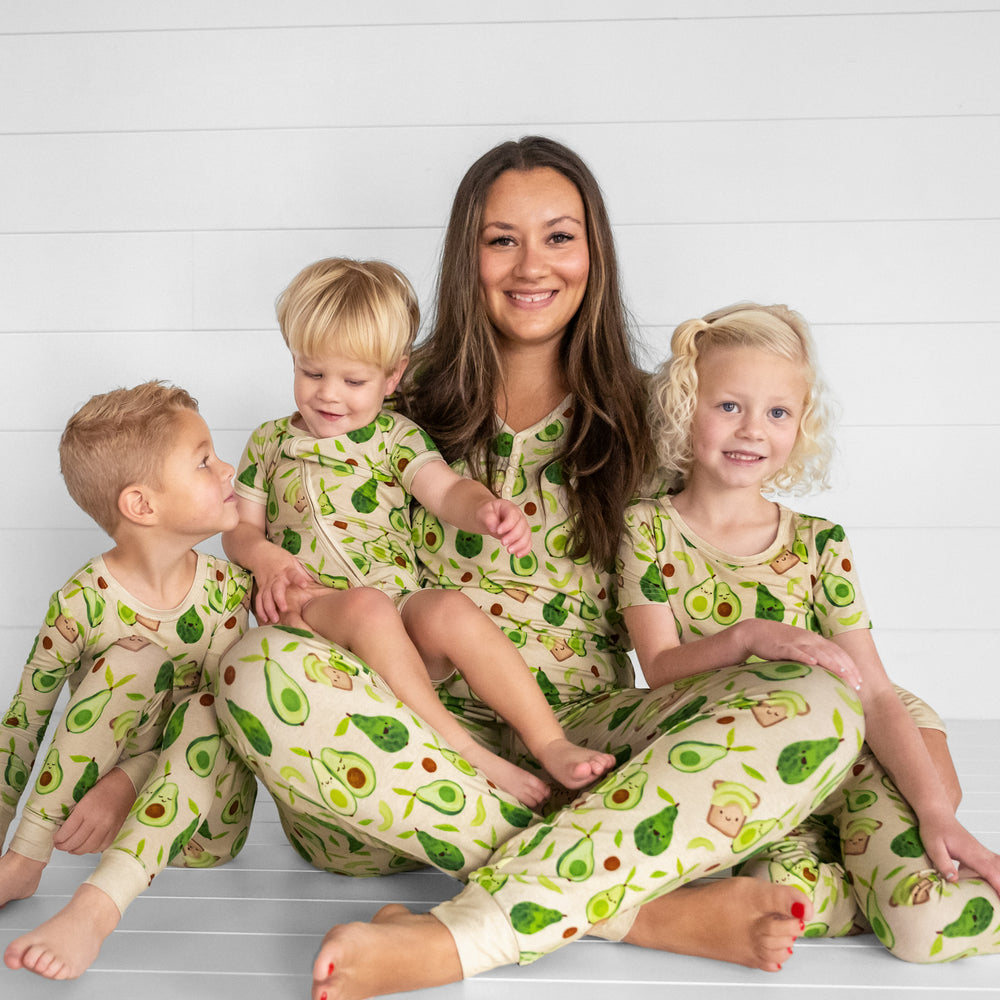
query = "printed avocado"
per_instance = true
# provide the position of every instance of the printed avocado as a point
(271, 509)
(859, 798)
(628, 793)
(182, 839)
(836, 533)
(530, 918)
(651, 585)
(362, 434)
(83, 715)
(503, 444)
(16, 772)
(399, 520)
(798, 760)
(837, 589)
(553, 473)
(457, 760)
(557, 539)
(43, 681)
(692, 755)
(441, 853)
(190, 626)
(201, 754)
(387, 733)
(605, 904)
(174, 725)
(444, 795)
(351, 769)
(526, 565)
(907, 844)
(291, 541)
(726, 608)
(17, 715)
(86, 781)
(468, 544)
(427, 531)
(780, 670)
(255, 733)
(878, 923)
(752, 833)
(232, 813)
(589, 611)
(489, 880)
(164, 677)
(95, 605)
(51, 775)
(550, 432)
(577, 862)
(365, 498)
(248, 475)
(621, 714)
(516, 815)
(974, 919)
(768, 606)
(700, 599)
(549, 689)
(333, 790)
(652, 836)
(286, 698)
(554, 611)
(161, 806)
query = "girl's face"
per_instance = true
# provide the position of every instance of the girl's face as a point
(533, 255)
(747, 417)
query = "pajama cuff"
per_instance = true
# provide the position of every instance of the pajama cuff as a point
(615, 928)
(33, 838)
(482, 933)
(120, 876)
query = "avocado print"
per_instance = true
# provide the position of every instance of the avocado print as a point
(468, 544)
(700, 600)
(839, 590)
(51, 775)
(692, 755)
(332, 789)
(576, 863)
(859, 798)
(17, 715)
(836, 533)
(780, 670)
(530, 918)
(974, 919)
(551, 432)
(387, 733)
(443, 795)
(427, 531)
(441, 853)
(95, 606)
(768, 607)
(174, 725)
(526, 565)
(86, 781)
(351, 769)
(798, 760)
(190, 627)
(161, 806)
(726, 607)
(554, 611)
(182, 839)
(752, 833)
(627, 793)
(605, 903)
(503, 444)
(43, 681)
(82, 716)
(164, 677)
(516, 815)
(16, 772)
(201, 754)
(457, 760)
(286, 698)
(255, 733)
(489, 879)
(652, 836)
(907, 844)
(365, 498)
(651, 585)
(362, 434)
(878, 923)
(291, 541)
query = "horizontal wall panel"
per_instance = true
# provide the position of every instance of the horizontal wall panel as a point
(716, 171)
(436, 73)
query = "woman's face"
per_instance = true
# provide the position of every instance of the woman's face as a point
(533, 255)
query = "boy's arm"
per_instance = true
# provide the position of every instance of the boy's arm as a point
(469, 505)
(664, 658)
(897, 744)
(274, 569)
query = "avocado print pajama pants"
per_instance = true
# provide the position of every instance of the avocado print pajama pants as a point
(363, 787)
(860, 859)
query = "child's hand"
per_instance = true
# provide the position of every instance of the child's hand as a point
(777, 641)
(506, 521)
(946, 841)
(273, 574)
(94, 823)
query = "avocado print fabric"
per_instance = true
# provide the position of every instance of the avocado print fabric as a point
(340, 504)
(126, 664)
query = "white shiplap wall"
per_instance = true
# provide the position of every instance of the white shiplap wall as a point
(166, 168)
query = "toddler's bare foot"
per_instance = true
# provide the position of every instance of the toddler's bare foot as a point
(65, 946)
(19, 877)
(573, 766)
(740, 920)
(352, 960)
(525, 787)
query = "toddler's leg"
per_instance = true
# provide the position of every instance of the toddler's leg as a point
(916, 914)
(451, 633)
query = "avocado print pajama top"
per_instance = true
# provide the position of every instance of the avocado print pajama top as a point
(126, 665)
(859, 855)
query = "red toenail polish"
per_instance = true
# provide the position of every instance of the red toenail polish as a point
(329, 971)
(798, 910)
(789, 951)
(322, 996)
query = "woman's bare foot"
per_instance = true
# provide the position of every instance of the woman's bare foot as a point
(19, 876)
(573, 766)
(514, 780)
(65, 946)
(740, 920)
(353, 964)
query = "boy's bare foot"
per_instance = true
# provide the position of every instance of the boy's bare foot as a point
(524, 786)
(573, 766)
(352, 961)
(741, 920)
(65, 946)
(19, 876)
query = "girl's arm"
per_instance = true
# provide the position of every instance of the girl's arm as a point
(663, 658)
(274, 570)
(897, 744)
(470, 506)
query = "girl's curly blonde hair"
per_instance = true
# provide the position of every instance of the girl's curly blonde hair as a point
(674, 391)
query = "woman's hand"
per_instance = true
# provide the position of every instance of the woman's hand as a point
(777, 641)
(96, 819)
(946, 841)
(506, 521)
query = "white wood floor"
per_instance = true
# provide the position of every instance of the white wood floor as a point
(251, 929)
